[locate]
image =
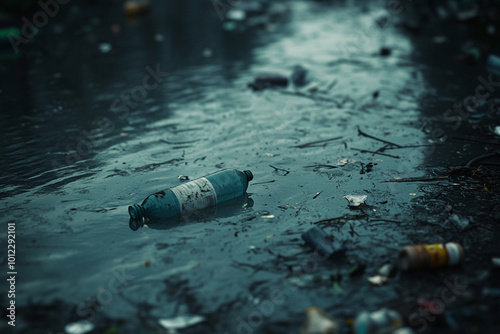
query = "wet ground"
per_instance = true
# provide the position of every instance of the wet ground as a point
(76, 153)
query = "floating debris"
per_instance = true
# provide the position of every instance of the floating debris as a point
(321, 242)
(183, 177)
(105, 47)
(377, 280)
(355, 200)
(317, 322)
(497, 130)
(268, 80)
(182, 321)
(381, 321)
(79, 327)
(430, 256)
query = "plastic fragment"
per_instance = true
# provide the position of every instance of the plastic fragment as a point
(496, 262)
(317, 322)
(355, 200)
(377, 280)
(497, 130)
(79, 327)
(319, 240)
(182, 321)
(105, 47)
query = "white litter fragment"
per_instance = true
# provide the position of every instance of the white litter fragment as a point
(459, 221)
(79, 327)
(236, 15)
(377, 280)
(496, 262)
(355, 200)
(497, 130)
(182, 321)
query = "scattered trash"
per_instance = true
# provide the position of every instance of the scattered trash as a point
(496, 262)
(430, 256)
(355, 200)
(268, 80)
(183, 177)
(182, 321)
(147, 263)
(236, 15)
(321, 242)
(133, 8)
(105, 47)
(317, 194)
(497, 130)
(267, 216)
(317, 322)
(459, 221)
(299, 76)
(385, 51)
(377, 280)
(79, 327)
(379, 322)
(388, 270)
(193, 195)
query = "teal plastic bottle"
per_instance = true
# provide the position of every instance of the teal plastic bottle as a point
(194, 195)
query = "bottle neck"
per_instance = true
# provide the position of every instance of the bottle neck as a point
(136, 211)
(249, 175)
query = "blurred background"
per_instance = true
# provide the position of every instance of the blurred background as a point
(105, 102)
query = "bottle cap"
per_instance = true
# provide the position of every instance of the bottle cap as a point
(136, 211)
(249, 175)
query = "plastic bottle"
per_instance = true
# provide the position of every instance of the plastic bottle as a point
(198, 194)
(383, 321)
(430, 256)
(317, 322)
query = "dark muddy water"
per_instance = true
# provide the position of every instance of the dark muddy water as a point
(75, 154)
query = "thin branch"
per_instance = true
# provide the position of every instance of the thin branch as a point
(373, 152)
(281, 169)
(373, 137)
(315, 142)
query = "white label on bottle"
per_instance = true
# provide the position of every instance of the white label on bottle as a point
(454, 254)
(195, 195)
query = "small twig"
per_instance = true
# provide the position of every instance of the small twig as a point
(263, 182)
(373, 137)
(179, 142)
(482, 157)
(315, 142)
(373, 152)
(317, 194)
(281, 169)
(321, 166)
(419, 179)
(385, 220)
(331, 85)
